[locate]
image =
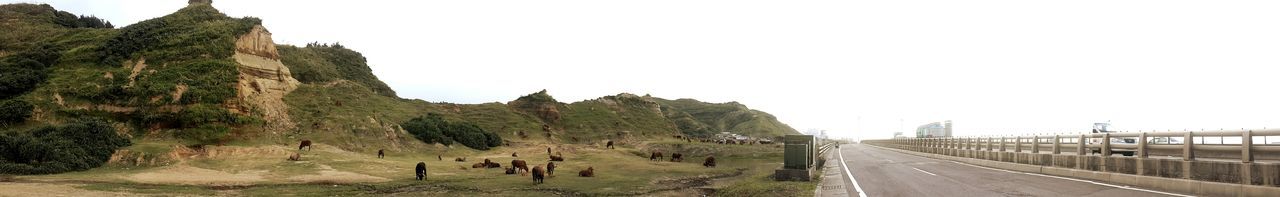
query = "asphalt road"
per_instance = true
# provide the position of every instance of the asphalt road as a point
(881, 172)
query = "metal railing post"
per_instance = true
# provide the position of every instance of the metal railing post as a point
(1187, 153)
(1246, 146)
(1017, 144)
(989, 148)
(1106, 144)
(1080, 145)
(1142, 145)
(1001, 143)
(1035, 144)
(1057, 144)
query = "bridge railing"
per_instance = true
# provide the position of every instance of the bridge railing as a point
(1183, 144)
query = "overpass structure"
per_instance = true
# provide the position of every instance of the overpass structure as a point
(1065, 165)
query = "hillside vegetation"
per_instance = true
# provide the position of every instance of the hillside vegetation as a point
(175, 81)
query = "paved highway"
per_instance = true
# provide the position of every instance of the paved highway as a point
(882, 172)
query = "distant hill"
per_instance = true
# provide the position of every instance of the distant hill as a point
(197, 76)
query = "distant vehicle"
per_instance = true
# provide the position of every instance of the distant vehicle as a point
(1103, 128)
(1164, 140)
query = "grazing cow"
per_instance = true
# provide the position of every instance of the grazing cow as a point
(551, 168)
(511, 170)
(609, 144)
(655, 156)
(513, 154)
(295, 157)
(589, 172)
(538, 174)
(677, 157)
(520, 165)
(710, 162)
(421, 170)
(305, 144)
(380, 153)
(460, 159)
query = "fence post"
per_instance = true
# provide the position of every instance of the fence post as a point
(1080, 145)
(1035, 144)
(1246, 146)
(1057, 144)
(1142, 145)
(1106, 144)
(1187, 153)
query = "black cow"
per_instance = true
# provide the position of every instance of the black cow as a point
(421, 170)
(380, 153)
(305, 144)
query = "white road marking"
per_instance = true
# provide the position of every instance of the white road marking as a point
(1078, 180)
(856, 187)
(926, 172)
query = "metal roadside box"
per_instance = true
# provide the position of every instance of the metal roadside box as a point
(798, 151)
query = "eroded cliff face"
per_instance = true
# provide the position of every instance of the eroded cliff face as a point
(263, 81)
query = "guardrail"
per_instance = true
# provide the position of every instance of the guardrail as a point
(1248, 163)
(1100, 143)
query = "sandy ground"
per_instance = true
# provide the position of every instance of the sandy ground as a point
(328, 174)
(48, 189)
(187, 175)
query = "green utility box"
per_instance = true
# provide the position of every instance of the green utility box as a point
(799, 151)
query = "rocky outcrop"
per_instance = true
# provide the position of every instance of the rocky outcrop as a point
(264, 80)
(540, 105)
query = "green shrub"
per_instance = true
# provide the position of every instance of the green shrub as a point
(14, 111)
(432, 128)
(79, 145)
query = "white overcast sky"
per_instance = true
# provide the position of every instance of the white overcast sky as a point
(992, 67)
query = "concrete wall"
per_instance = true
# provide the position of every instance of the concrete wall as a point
(1213, 178)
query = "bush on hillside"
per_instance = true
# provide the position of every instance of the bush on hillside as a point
(432, 128)
(14, 111)
(74, 146)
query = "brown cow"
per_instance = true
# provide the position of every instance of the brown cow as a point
(438, 157)
(655, 156)
(551, 168)
(490, 164)
(520, 165)
(460, 159)
(548, 150)
(511, 170)
(305, 144)
(677, 157)
(295, 157)
(557, 158)
(538, 174)
(478, 165)
(380, 154)
(609, 144)
(513, 154)
(710, 162)
(589, 172)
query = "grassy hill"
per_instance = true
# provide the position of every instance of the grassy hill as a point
(176, 80)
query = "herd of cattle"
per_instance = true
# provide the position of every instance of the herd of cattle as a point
(521, 167)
